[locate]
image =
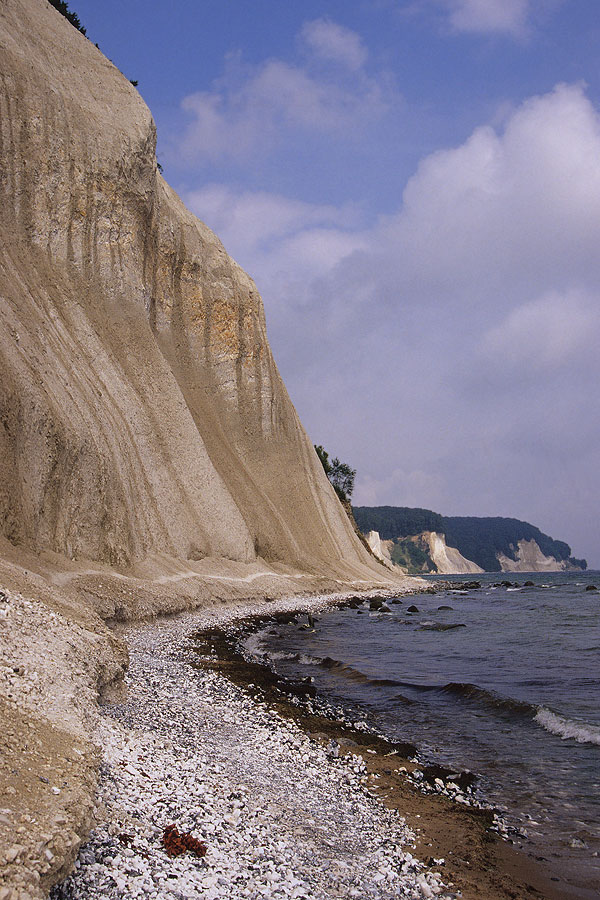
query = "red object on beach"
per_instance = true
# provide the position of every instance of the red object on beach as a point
(178, 842)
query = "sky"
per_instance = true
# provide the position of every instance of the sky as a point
(414, 185)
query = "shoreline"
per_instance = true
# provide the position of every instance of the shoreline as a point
(491, 867)
(475, 861)
(279, 816)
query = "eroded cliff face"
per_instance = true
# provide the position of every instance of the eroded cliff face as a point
(380, 549)
(150, 458)
(529, 558)
(141, 411)
(448, 560)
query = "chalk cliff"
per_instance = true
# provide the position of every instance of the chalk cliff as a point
(141, 412)
(425, 541)
(379, 548)
(443, 560)
(529, 558)
(150, 457)
(448, 560)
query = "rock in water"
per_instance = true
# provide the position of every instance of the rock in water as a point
(375, 603)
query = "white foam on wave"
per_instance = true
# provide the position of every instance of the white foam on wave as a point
(283, 654)
(565, 728)
(306, 660)
(254, 645)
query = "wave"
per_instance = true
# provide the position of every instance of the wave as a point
(353, 674)
(554, 723)
(345, 670)
(488, 698)
(305, 659)
(284, 654)
(565, 728)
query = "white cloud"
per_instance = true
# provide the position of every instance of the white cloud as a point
(453, 343)
(504, 227)
(279, 238)
(334, 42)
(519, 208)
(485, 16)
(547, 333)
(249, 220)
(253, 108)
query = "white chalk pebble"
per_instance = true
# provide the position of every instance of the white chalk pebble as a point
(425, 889)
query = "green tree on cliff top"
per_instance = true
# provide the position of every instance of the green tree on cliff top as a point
(73, 18)
(340, 474)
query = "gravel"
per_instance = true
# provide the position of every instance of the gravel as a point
(281, 816)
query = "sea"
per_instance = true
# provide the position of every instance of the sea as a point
(501, 679)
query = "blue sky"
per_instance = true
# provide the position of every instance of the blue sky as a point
(415, 187)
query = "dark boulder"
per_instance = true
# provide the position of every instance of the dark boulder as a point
(463, 779)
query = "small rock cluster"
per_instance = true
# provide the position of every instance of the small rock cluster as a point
(280, 816)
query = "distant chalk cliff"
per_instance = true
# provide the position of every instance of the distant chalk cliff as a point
(420, 540)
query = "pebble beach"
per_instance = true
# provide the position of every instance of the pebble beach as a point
(279, 815)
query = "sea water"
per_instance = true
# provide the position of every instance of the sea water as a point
(502, 680)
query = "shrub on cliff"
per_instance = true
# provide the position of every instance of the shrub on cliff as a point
(413, 556)
(340, 474)
(64, 10)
